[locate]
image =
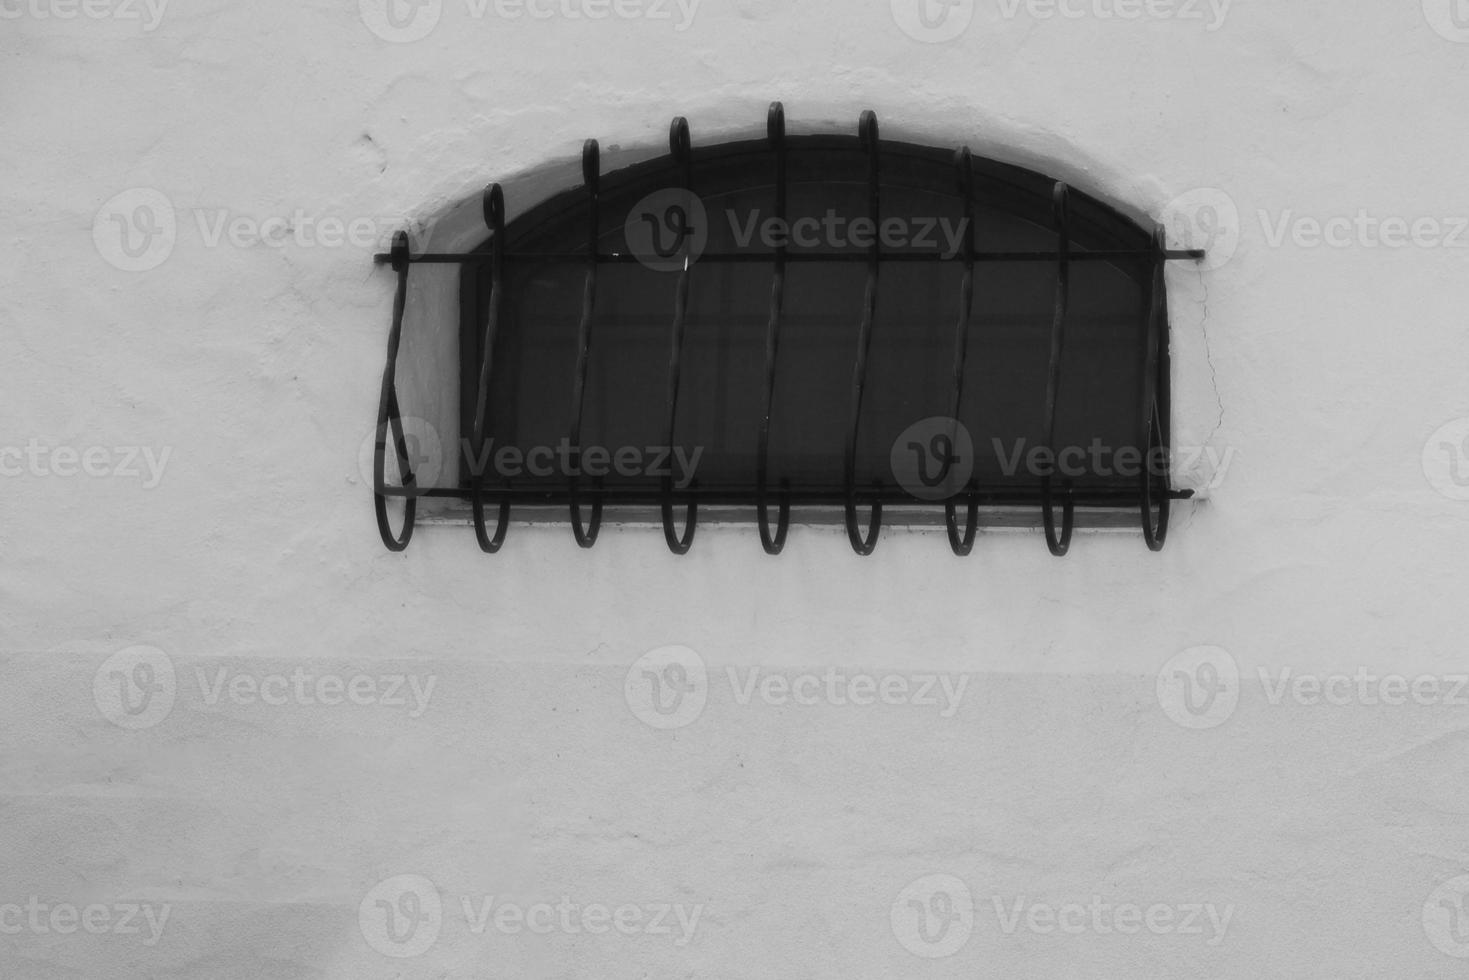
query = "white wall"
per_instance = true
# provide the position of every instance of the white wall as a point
(1323, 830)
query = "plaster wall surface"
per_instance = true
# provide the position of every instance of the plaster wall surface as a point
(1334, 836)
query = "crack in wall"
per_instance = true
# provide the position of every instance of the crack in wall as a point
(1209, 359)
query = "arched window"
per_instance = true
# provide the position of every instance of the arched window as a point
(807, 325)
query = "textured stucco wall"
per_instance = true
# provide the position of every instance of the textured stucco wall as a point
(1330, 837)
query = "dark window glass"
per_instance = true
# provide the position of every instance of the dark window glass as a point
(911, 362)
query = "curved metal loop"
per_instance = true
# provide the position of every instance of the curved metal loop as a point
(1059, 545)
(390, 419)
(775, 124)
(681, 146)
(494, 212)
(680, 142)
(962, 541)
(1151, 417)
(865, 545)
(586, 534)
(774, 543)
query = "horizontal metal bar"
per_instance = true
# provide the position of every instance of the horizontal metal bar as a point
(894, 516)
(1124, 497)
(627, 258)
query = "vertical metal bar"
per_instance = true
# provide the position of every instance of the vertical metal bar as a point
(1154, 427)
(962, 542)
(389, 418)
(1060, 200)
(494, 210)
(681, 146)
(591, 168)
(868, 131)
(774, 544)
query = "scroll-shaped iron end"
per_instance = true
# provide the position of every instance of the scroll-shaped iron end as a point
(1154, 403)
(390, 420)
